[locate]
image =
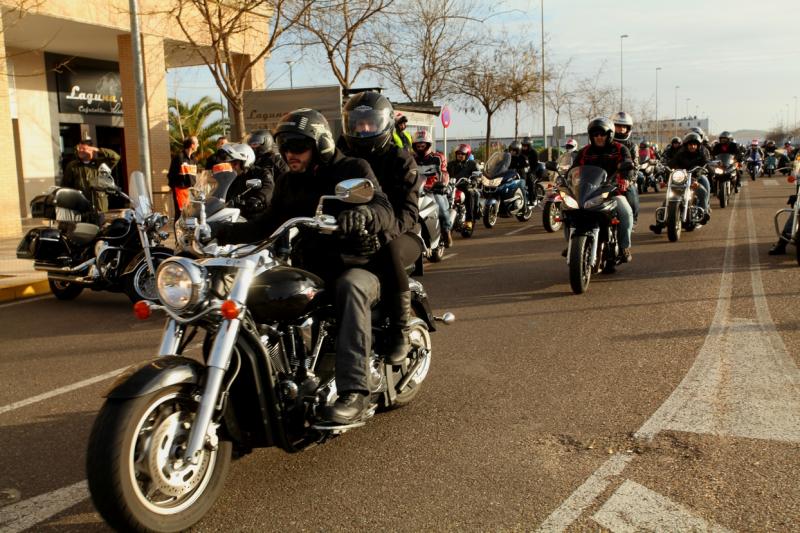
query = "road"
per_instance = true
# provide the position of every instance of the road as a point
(666, 397)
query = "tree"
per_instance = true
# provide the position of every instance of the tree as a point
(523, 77)
(195, 120)
(338, 26)
(594, 99)
(214, 27)
(428, 44)
(558, 94)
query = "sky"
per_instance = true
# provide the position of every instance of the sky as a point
(737, 61)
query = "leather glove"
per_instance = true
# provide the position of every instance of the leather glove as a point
(362, 245)
(253, 204)
(360, 219)
(217, 231)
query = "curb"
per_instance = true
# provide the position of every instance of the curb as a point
(24, 290)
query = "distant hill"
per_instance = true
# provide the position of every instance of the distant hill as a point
(748, 135)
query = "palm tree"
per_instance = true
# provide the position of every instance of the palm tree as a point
(196, 119)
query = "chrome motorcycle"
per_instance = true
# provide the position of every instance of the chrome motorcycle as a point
(681, 210)
(793, 211)
(162, 443)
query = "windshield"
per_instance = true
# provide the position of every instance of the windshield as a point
(497, 164)
(140, 195)
(725, 159)
(586, 173)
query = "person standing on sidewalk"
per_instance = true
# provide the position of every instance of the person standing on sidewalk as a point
(183, 174)
(82, 171)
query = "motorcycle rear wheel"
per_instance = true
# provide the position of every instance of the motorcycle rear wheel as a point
(580, 261)
(129, 463)
(64, 290)
(674, 222)
(551, 217)
(437, 254)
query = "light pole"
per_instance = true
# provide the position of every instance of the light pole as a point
(658, 141)
(621, 90)
(291, 80)
(795, 112)
(687, 107)
(675, 120)
(544, 126)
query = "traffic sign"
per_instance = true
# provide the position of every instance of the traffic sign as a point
(446, 117)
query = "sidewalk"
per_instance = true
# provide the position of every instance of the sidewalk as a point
(18, 279)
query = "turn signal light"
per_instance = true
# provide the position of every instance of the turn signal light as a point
(557, 219)
(229, 309)
(142, 309)
(791, 179)
(614, 221)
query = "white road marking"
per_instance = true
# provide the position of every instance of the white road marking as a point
(61, 390)
(449, 256)
(634, 507)
(26, 300)
(27, 513)
(578, 501)
(769, 183)
(520, 230)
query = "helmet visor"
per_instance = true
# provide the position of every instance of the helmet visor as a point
(365, 122)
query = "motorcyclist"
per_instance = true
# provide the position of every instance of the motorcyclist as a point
(671, 150)
(315, 167)
(691, 155)
(605, 152)
(401, 137)
(623, 127)
(727, 145)
(368, 126)
(432, 165)
(527, 149)
(463, 167)
(240, 159)
(786, 158)
(519, 162)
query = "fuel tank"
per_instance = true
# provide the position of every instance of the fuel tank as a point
(284, 293)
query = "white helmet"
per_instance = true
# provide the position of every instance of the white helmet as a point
(238, 152)
(571, 144)
(623, 119)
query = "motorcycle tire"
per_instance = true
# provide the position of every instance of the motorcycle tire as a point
(580, 269)
(141, 284)
(64, 290)
(551, 217)
(797, 252)
(723, 196)
(526, 212)
(674, 222)
(467, 233)
(490, 216)
(127, 428)
(437, 254)
(421, 346)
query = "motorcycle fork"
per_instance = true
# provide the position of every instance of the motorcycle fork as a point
(218, 361)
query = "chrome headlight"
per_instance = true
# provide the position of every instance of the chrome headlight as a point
(718, 171)
(491, 182)
(594, 202)
(568, 200)
(181, 283)
(679, 176)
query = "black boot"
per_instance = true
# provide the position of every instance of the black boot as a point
(778, 249)
(399, 319)
(656, 228)
(348, 408)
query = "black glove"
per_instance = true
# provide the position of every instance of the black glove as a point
(362, 245)
(358, 220)
(217, 231)
(253, 204)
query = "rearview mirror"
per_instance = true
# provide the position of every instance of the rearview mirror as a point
(253, 183)
(355, 191)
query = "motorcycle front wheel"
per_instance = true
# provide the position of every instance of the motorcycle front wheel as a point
(580, 264)
(674, 222)
(526, 212)
(723, 195)
(551, 217)
(135, 479)
(490, 216)
(437, 254)
(141, 283)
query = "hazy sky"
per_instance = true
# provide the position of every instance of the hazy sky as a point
(738, 61)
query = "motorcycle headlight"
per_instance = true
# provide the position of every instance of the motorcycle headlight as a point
(495, 182)
(181, 283)
(594, 202)
(679, 176)
(718, 171)
(570, 202)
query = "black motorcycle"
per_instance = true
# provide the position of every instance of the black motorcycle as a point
(162, 443)
(79, 249)
(464, 187)
(723, 173)
(590, 210)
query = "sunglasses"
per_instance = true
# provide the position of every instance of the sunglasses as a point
(297, 146)
(597, 134)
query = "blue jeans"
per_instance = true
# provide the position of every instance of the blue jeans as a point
(702, 191)
(625, 217)
(632, 196)
(444, 211)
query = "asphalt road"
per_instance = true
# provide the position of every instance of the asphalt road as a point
(667, 397)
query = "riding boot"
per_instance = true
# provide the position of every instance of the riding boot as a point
(399, 321)
(778, 249)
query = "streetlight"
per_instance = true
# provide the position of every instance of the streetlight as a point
(795, 112)
(621, 91)
(291, 80)
(544, 126)
(675, 120)
(687, 107)
(658, 141)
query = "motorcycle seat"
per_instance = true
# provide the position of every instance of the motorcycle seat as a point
(84, 233)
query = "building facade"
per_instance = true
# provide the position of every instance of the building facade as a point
(69, 75)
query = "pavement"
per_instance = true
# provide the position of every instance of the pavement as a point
(18, 279)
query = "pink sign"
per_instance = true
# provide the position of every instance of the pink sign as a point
(446, 117)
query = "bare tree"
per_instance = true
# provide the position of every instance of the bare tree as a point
(595, 99)
(559, 95)
(341, 28)
(523, 78)
(428, 43)
(213, 27)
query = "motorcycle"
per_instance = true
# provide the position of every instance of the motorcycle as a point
(464, 186)
(649, 176)
(724, 176)
(161, 445)
(551, 207)
(754, 165)
(770, 164)
(503, 191)
(79, 249)
(589, 206)
(792, 211)
(680, 210)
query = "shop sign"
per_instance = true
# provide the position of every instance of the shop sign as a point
(89, 91)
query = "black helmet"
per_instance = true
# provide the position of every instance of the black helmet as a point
(692, 137)
(307, 124)
(516, 145)
(699, 131)
(261, 141)
(601, 124)
(368, 122)
(725, 135)
(675, 140)
(526, 141)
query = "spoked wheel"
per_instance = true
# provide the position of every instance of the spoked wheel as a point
(674, 223)
(526, 212)
(416, 365)
(490, 216)
(551, 217)
(64, 290)
(580, 264)
(141, 284)
(437, 254)
(136, 480)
